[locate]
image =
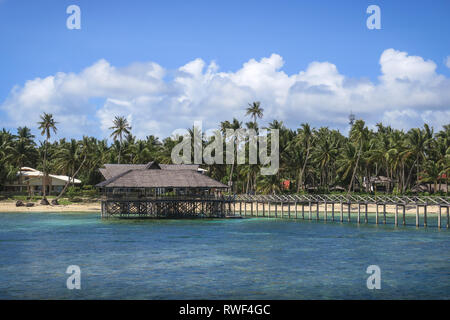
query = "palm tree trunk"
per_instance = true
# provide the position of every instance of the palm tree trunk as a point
(70, 178)
(354, 170)
(44, 177)
(303, 171)
(409, 175)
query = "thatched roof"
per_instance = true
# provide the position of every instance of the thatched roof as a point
(112, 170)
(154, 175)
(151, 178)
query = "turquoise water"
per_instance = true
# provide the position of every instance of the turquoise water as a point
(217, 259)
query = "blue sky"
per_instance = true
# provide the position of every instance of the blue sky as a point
(35, 44)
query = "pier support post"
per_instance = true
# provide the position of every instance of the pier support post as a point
(425, 215)
(296, 210)
(332, 211)
(376, 213)
(276, 210)
(349, 207)
(310, 216)
(448, 218)
(289, 210)
(366, 218)
(245, 208)
(404, 215)
(326, 212)
(417, 215)
(384, 213)
(251, 209)
(282, 209)
(342, 212)
(396, 215)
(268, 204)
(303, 211)
(359, 213)
(439, 217)
(264, 209)
(317, 211)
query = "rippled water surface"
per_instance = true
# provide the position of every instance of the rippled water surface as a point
(217, 259)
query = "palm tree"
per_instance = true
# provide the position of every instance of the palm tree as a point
(46, 125)
(235, 125)
(120, 128)
(358, 135)
(255, 111)
(304, 139)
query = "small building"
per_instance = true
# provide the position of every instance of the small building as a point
(30, 180)
(159, 190)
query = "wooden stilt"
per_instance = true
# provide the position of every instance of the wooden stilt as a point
(268, 204)
(349, 212)
(366, 218)
(404, 215)
(303, 210)
(359, 213)
(289, 210)
(439, 217)
(310, 216)
(342, 211)
(317, 212)
(376, 214)
(425, 215)
(396, 216)
(417, 215)
(276, 210)
(332, 211)
(264, 209)
(384, 213)
(326, 213)
(296, 210)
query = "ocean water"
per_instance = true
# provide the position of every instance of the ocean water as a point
(256, 258)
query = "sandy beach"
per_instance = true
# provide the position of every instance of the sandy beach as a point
(10, 206)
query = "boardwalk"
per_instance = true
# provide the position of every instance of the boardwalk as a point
(350, 208)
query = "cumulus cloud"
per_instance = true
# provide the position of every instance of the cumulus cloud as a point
(407, 93)
(447, 62)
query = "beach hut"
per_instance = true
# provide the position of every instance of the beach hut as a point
(161, 190)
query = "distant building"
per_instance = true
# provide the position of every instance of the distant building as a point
(29, 179)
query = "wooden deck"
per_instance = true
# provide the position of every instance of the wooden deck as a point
(337, 208)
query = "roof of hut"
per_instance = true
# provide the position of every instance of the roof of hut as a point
(154, 175)
(111, 170)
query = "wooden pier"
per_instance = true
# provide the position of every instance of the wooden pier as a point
(344, 208)
(169, 207)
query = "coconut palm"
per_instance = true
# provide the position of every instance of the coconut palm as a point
(46, 125)
(120, 128)
(255, 111)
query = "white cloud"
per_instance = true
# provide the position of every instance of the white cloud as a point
(447, 62)
(408, 92)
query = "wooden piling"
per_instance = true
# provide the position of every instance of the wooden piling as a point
(359, 213)
(425, 223)
(310, 214)
(317, 212)
(417, 215)
(349, 212)
(342, 212)
(295, 209)
(326, 211)
(404, 215)
(384, 213)
(366, 218)
(376, 214)
(332, 211)
(439, 217)
(396, 215)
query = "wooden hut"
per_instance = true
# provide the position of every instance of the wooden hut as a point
(155, 190)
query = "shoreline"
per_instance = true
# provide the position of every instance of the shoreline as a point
(10, 207)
